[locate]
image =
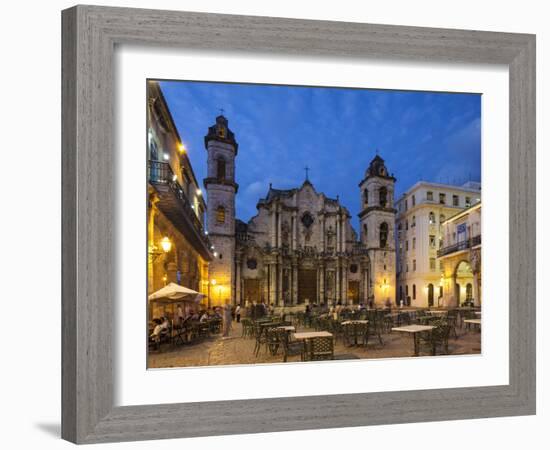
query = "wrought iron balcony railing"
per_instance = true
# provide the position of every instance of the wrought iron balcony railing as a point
(160, 174)
(459, 246)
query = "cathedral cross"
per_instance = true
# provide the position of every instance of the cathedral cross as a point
(306, 168)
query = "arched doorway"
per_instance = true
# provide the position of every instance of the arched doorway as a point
(462, 277)
(430, 295)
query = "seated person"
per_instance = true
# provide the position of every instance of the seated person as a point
(155, 335)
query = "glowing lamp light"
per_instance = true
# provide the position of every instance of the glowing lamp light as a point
(166, 244)
(213, 282)
(181, 148)
(166, 156)
(199, 192)
(216, 254)
(174, 177)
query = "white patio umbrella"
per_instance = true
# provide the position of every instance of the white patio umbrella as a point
(174, 293)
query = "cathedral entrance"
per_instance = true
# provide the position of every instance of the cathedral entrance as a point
(353, 292)
(252, 290)
(307, 285)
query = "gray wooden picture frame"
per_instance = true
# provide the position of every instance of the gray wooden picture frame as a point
(90, 35)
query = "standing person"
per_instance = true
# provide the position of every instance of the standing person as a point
(238, 313)
(226, 319)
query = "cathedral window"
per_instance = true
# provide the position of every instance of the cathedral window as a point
(307, 220)
(220, 214)
(220, 168)
(383, 234)
(383, 194)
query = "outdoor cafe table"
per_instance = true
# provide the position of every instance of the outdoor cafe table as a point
(477, 313)
(414, 330)
(312, 334)
(474, 322)
(437, 312)
(287, 328)
(355, 322)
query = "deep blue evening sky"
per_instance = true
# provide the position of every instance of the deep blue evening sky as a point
(336, 132)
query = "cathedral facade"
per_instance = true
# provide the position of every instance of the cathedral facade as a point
(300, 247)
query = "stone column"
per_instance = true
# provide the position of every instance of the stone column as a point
(279, 298)
(343, 228)
(273, 287)
(279, 221)
(294, 294)
(337, 234)
(273, 231)
(322, 298)
(265, 285)
(323, 232)
(345, 282)
(294, 231)
(337, 293)
(477, 288)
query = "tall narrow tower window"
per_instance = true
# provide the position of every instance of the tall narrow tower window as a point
(383, 234)
(220, 214)
(383, 193)
(366, 197)
(220, 168)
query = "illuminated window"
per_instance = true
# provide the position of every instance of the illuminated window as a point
(220, 214)
(431, 218)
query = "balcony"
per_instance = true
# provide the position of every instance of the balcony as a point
(175, 205)
(459, 246)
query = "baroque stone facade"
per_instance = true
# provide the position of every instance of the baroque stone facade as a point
(300, 247)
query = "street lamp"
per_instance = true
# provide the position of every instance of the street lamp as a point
(166, 244)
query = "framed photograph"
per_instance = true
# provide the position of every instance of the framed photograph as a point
(288, 215)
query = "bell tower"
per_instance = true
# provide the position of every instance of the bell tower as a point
(221, 189)
(377, 222)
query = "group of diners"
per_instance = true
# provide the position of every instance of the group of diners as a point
(184, 326)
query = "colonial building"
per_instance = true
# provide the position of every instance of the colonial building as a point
(421, 214)
(460, 258)
(178, 246)
(300, 247)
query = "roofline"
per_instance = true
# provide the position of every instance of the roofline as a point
(420, 183)
(463, 212)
